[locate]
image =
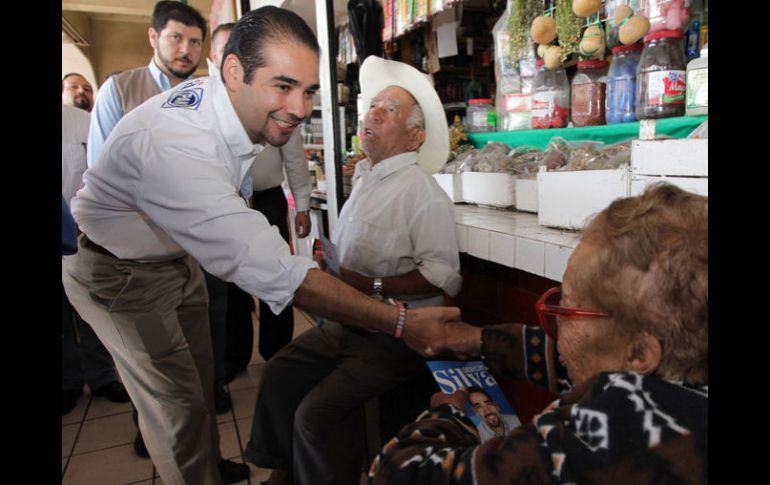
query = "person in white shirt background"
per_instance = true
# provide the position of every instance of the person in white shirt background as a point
(163, 197)
(263, 188)
(395, 238)
(217, 288)
(219, 38)
(84, 359)
(267, 174)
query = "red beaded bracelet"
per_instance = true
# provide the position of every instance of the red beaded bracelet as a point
(401, 320)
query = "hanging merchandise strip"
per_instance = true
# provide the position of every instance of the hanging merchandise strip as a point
(523, 12)
(403, 16)
(347, 49)
(387, 20)
(421, 10)
(568, 27)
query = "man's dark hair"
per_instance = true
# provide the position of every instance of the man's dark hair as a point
(261, 26)
(227, 27)
(71, 74)
(173, 10)
(479, 390)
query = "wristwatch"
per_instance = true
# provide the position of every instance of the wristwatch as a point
(378, 286)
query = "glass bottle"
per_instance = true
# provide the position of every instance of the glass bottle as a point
(698, 84)
(589, 89)
(693, 39)
(550, 99)
(481, 116)
(660, 77)
(621, 84)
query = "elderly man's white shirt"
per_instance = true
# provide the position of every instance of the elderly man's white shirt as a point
(74, 137)
(166, 183)
(396, 220)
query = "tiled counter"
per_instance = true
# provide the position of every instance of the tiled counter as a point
(514, 239)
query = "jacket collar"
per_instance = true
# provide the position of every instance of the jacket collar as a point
(230, 125)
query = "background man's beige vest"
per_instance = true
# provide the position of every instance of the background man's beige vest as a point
(135, 87)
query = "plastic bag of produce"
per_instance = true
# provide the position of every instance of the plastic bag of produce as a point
(526, 161)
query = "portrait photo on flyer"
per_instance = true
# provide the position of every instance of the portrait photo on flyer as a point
(487, 406)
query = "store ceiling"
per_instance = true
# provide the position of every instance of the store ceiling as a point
(122, 11)
(139, 11)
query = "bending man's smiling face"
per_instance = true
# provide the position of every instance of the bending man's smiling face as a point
(280, 94)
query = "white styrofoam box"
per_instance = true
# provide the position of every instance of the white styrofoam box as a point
(530, 255)
(526, 195)
(502, 249)
(478, 242)
(683, 157)
(495, 189)
(569, 199)
(556, 258)
(697, 185)
(450, 182)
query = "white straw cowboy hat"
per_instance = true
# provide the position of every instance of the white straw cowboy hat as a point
(377, 74)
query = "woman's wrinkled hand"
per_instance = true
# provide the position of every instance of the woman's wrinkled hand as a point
(457, 398)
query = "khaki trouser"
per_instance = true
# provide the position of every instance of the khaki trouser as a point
(152, 318)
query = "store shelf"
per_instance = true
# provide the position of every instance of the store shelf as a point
(314, 146)
(674, 127)
(318, 200)
(455, 105)
(514, 239)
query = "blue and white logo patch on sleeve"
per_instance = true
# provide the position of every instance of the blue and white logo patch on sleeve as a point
(185, 97)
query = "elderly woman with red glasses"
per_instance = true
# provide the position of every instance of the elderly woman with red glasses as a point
(625, 343)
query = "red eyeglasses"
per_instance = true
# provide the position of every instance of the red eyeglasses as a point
(548, 308)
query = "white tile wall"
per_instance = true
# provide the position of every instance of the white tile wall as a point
(556, 258)
(530, 255)
(478, 242)
(514, 239)
(502, 249)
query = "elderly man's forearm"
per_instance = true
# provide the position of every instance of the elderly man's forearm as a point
(408, 285)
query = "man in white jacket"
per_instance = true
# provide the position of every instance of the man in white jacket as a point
(163, 197)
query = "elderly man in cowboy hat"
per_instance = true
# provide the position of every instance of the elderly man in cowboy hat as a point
(395, 239)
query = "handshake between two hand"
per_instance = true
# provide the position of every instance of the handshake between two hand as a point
(435, 331)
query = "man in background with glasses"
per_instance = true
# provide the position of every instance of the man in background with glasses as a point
(625, 340)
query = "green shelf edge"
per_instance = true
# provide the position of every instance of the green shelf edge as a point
(678, 127)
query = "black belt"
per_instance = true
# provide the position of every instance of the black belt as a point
(87, 243)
